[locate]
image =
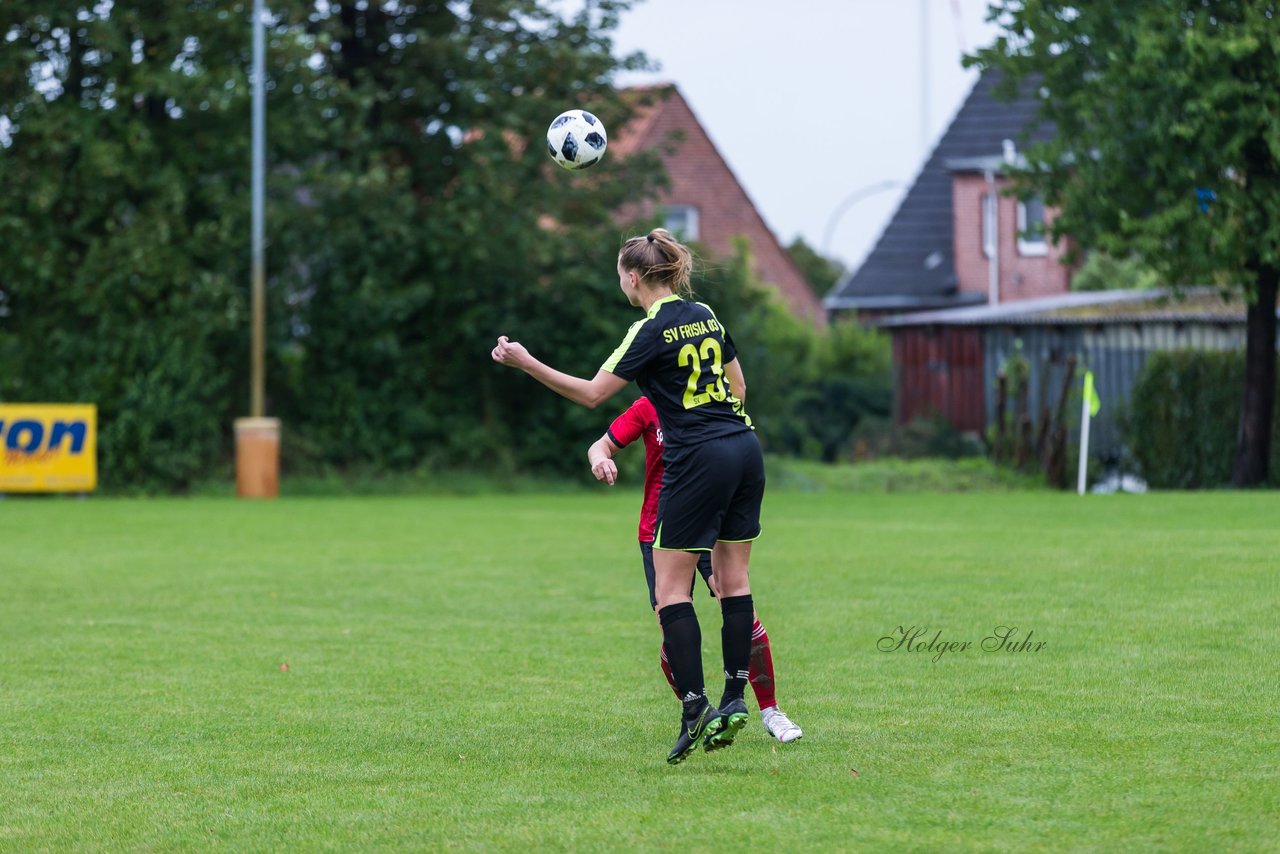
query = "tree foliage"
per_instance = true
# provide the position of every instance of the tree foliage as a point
(1167, 147)
(1103, 272)
(807, 389)
(124, 167)
(412, 215)
(433, 221)
(819, 271)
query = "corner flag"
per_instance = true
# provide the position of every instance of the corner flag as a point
(1091, 394)
(1089, 406)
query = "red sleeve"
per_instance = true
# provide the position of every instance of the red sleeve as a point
(629, 426)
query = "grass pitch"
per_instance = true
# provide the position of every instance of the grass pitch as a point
(481, 673)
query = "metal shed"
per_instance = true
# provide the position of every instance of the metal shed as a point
(946, 362)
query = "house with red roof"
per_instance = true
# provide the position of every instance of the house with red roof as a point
(705, 203)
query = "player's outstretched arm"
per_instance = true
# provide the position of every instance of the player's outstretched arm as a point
(600, 456)
(590, 393)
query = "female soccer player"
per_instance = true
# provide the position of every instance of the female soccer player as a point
(640, 421)
(678, 355)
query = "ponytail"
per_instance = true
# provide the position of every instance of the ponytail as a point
(660, 259)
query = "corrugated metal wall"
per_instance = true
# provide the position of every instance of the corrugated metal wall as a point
(1115, 353)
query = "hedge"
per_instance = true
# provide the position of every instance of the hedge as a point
(1185, 418)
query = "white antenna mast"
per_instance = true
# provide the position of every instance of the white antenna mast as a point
(924, 79)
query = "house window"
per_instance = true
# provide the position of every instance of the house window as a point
(1031, 236)
(681, 220)
(988, 225)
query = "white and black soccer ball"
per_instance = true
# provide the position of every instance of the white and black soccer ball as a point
(576, 139)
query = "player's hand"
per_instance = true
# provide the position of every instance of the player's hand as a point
(606, 470)
(510, 353)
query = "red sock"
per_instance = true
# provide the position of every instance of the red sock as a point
(762, 668)
(666, 669)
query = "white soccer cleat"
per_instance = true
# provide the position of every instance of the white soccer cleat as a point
(780, 726)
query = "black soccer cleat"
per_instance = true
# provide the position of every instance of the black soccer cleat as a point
(692, 729)
(733, 717)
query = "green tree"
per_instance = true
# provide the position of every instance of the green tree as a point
(433, 221)
(124, 159)
(412, 216)
(820, 272)
(1103, 272)
(1167, 146)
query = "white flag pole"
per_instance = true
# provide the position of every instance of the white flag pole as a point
(1084, 443)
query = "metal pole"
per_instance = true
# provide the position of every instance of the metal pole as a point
(924, 80)
(992, 214)
(259, 300)
(1083, 468)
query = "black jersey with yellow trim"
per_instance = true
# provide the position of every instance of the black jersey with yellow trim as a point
(676, 354)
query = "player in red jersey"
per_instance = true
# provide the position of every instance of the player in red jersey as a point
(640, 421)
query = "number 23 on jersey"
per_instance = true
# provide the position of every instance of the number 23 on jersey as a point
(695, 356)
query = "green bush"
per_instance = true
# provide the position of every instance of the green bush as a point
(808, 389)
(1185, 416)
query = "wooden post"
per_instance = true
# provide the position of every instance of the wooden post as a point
(1056, 458)
(1024, 440)
(258, 457)
(1060, 414)
(1042, 430)
(1021, 417)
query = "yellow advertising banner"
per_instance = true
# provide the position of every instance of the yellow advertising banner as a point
(48, 447)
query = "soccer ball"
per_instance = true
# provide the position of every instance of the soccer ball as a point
(576, 139)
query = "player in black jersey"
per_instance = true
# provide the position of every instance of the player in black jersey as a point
(679, 356)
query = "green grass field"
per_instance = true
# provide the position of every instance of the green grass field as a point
(481, 673)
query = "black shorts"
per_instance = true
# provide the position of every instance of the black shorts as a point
(704, 567)
(711, 492)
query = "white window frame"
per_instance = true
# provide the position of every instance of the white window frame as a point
(1035, 244)
(688, 214)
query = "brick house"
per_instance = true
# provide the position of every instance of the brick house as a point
(1028, 265)
(957, 243)
(964, 282)
(956, 240)
(704, 202)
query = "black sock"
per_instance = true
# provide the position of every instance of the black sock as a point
(682, 638)
(735, 640)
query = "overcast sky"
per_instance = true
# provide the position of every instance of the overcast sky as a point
(814, 101)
